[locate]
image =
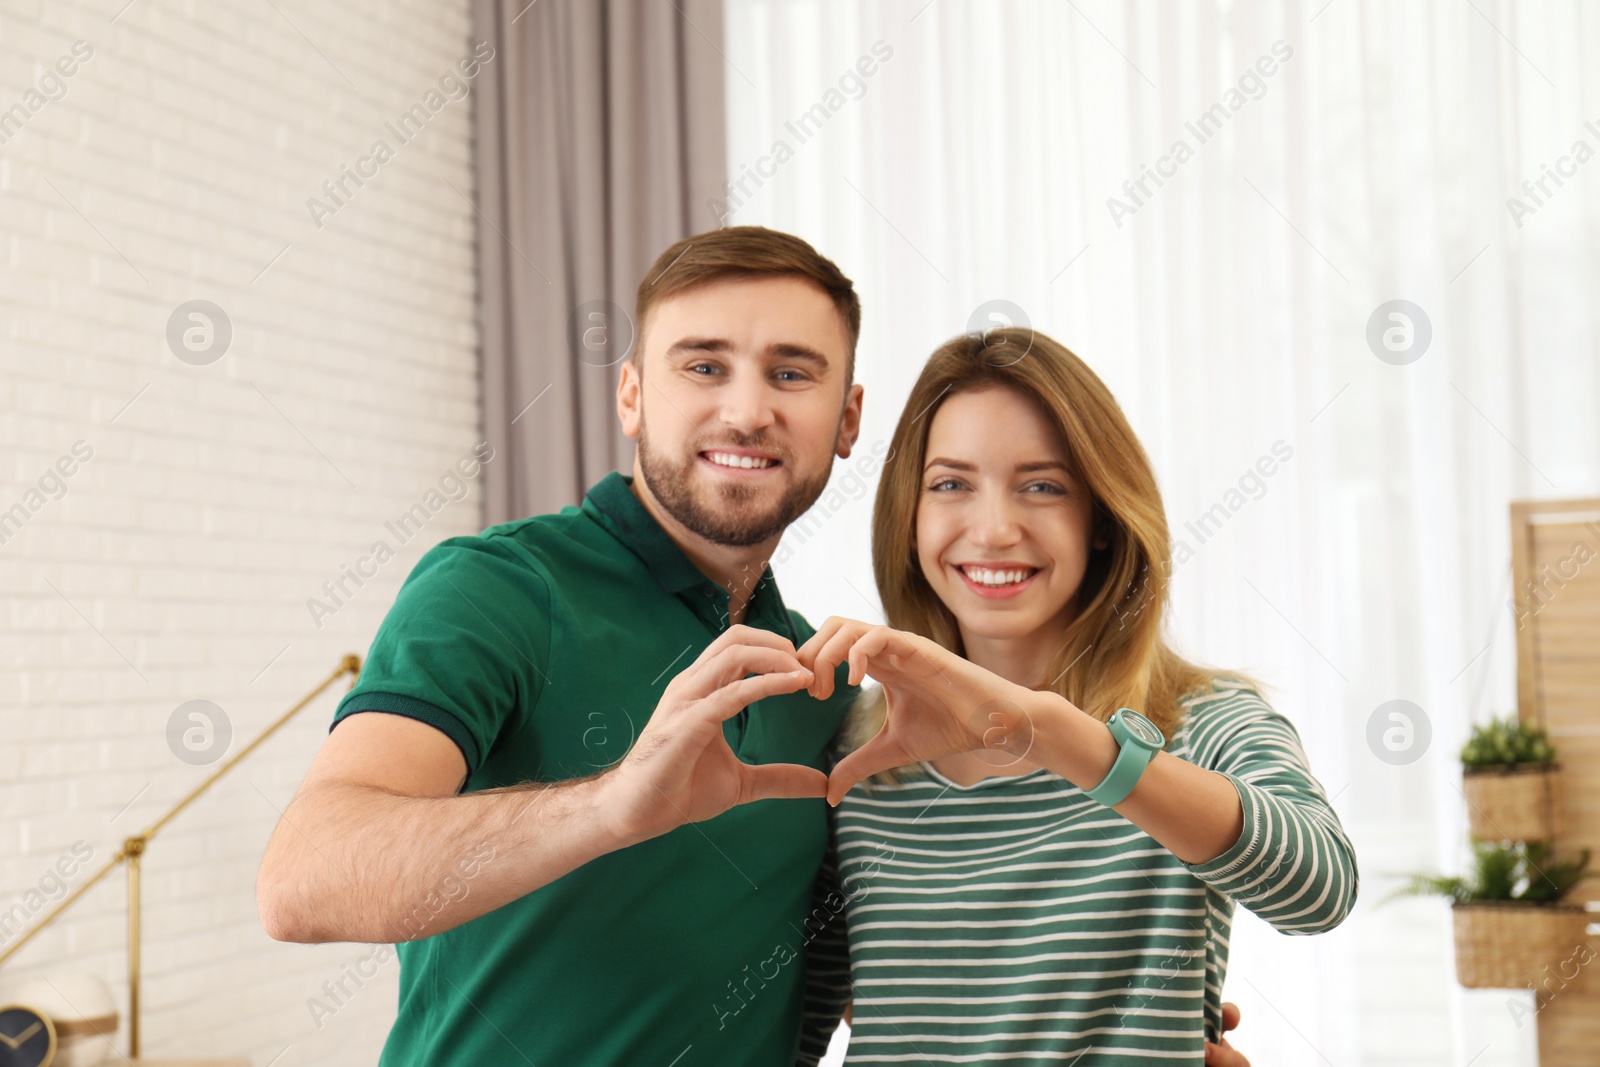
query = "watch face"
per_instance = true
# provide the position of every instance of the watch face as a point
(27, 1038)
(1143, 728)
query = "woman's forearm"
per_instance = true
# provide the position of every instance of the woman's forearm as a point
(1194, 813)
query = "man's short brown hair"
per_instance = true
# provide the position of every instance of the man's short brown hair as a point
(745, 251)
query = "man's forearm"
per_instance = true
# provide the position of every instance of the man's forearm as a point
(353, 863)
(350, 861)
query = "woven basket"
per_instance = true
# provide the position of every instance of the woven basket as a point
(1506, 945)
(1514, 804)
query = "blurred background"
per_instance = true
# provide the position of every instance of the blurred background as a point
(273, 269)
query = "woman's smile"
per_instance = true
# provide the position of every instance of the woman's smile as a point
(1000, 580)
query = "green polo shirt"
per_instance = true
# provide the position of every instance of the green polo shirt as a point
(541, 648)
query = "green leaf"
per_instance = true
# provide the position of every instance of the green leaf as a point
(1506, 742)
(1526, 873)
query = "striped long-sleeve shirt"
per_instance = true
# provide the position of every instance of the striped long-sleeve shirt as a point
(1016, 920)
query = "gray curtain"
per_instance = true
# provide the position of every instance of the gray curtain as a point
(599, 142)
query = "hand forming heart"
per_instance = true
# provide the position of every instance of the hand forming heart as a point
(939, 704)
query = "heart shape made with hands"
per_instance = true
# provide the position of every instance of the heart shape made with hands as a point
(937, 703)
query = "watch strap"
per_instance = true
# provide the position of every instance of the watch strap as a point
(1125, 772)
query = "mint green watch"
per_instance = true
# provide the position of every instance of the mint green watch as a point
(1140, 739)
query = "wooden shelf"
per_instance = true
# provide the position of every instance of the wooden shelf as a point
(1555, 545)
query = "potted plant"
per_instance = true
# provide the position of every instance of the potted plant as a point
(1510, 916)
(1512, 782)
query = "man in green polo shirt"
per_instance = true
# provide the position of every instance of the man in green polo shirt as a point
(580, 781)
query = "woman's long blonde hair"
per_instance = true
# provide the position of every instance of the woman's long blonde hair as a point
(1114, 653)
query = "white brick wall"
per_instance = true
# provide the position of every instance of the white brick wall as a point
(177, 565)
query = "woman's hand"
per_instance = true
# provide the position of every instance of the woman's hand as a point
(939, 704)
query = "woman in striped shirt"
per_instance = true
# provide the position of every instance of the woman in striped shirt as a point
(1027, 873)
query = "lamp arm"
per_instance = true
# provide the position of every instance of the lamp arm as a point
(133, 846)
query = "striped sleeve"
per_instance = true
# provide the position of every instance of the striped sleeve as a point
(1293, 864)
(827, 956)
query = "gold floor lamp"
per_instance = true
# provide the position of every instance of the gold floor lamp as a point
(133, 848)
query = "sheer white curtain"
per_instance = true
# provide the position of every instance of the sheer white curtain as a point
(949, 153)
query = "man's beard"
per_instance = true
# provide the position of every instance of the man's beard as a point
(730, 520)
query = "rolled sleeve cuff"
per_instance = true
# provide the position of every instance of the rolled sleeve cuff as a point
(1230, 868)
(412, 708)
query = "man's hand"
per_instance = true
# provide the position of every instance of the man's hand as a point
(1224, 1054)
(681, 769)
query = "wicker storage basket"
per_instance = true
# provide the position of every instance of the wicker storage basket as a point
(1505, 945)
(1514, 804)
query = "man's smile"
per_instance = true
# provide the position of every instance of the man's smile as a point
(740, 462)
